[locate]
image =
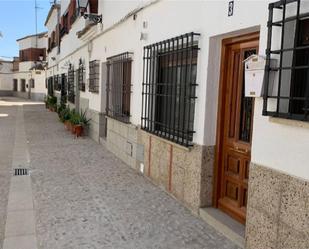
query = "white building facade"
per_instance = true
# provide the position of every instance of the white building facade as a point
(6, 77)
(29, 78)
(163, 82)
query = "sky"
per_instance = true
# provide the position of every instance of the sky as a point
(17, 19)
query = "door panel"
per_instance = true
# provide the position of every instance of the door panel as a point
(237, 132)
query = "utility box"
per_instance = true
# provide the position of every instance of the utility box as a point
(254, 75)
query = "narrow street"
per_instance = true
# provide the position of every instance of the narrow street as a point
(83, 197)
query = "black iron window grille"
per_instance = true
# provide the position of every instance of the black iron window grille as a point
(81, 78)
(118, 86)
(94, 76)
(286, 92)
(64, 87)
(50, 88)
(71, 86)
(169, 88)
(55, 82)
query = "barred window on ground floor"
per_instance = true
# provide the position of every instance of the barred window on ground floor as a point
(71, 85)
(64, 88)
(286, 92)
(55, 84)
(15, 83)
(81, 77)
(94, 76)
(50, 88)
(169, 88)
(118, 87)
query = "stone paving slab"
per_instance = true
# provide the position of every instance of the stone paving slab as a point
(84, 197)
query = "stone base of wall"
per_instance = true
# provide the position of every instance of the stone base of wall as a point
(6, 93)
(122, 140)
(24, 95)
(186, 173)
(277, 211)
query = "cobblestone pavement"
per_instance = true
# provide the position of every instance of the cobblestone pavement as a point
(84, 197)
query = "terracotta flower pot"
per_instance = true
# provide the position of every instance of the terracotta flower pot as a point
(78, 130)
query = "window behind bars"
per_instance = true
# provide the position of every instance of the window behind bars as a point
(119, 86)
(169, 88)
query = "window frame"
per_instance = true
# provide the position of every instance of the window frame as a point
(94, 76)
(275, 99)
(179, 88)
(71, 84)
(118, 86)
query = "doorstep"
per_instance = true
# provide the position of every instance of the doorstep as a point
(224, 224)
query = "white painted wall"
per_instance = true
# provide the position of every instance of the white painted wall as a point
(279, 146)
(6, 75)
(30, 42)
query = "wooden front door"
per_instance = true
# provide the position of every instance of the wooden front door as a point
(236, 128)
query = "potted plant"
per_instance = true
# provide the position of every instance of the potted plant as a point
(65, 116)
(74, 120)
(52, 103)
(83, 124)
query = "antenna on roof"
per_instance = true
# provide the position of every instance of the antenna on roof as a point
(36, 23)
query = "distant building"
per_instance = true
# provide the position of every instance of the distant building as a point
(29, 73)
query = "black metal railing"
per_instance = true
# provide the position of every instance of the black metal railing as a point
(118, 86)
(169, 88)
(55, 85)
(94, 76)
(286, 90)
(71, 85)
(81, 78)
(50, 88)
(64, 89)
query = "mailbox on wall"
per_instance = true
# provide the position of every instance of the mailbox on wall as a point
(254, 75)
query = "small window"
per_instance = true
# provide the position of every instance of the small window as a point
(169, 86)
(119, 86)
(81, 78)
(94, 76)
(286, 93)
(15, 85)
(71, 86)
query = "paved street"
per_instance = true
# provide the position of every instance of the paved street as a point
(84, 197)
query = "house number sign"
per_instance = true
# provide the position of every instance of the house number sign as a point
(231, 8)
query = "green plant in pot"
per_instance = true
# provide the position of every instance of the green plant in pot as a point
(74, 120)
(52, 103)
(65, 116)
(83, 124)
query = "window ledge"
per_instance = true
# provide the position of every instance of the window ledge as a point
(289, 122)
